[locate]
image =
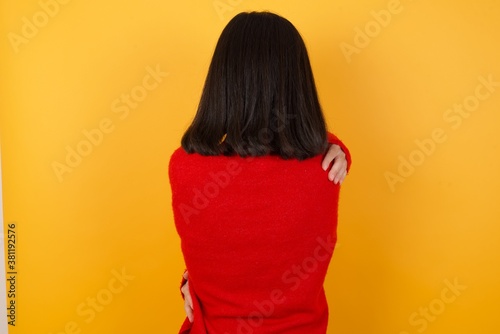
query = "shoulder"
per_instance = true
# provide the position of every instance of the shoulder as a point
(332, 139)
(181, 157)
(178, 153)
(177, 159)
(182, 163)
(177, 156)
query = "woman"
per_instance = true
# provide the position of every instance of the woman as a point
(256, 214)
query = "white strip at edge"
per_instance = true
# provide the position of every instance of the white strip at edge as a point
(3, 290)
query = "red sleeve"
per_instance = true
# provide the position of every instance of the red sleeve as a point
(334, 140)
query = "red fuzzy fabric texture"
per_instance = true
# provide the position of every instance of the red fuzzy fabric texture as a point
(257, 235)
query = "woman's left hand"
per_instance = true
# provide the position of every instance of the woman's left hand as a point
(188, 301)
(338, 171)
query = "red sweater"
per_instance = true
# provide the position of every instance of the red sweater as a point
(257, 236)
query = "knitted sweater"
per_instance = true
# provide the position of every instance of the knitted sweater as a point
(257, 235)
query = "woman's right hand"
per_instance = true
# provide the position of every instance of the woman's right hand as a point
(188, 301)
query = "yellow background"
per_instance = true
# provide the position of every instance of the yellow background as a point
(399, 245)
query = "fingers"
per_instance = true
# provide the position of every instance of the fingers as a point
(342, 178)
(188, 302)
(189, 311)
(338, 171)
(332, 153)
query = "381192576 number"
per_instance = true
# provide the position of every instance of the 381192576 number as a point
(11, 246)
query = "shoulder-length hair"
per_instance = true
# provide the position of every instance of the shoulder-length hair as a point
(259, 96)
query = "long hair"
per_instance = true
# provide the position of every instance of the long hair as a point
(259, 96)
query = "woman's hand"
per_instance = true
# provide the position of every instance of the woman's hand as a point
(188, 301)
(338, 171)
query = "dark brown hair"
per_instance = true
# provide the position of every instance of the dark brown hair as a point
(259, 96)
